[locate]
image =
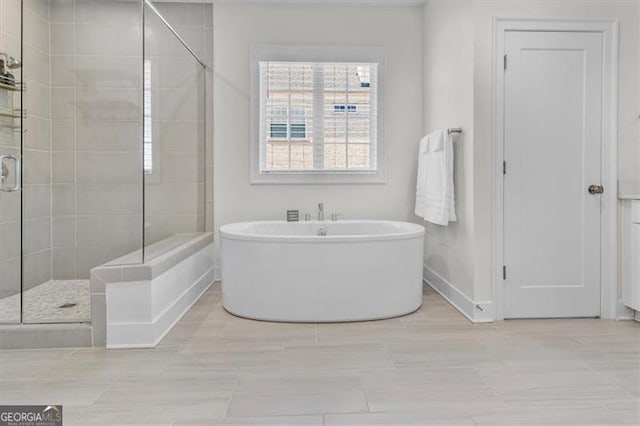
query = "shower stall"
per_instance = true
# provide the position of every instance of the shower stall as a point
(103, 144)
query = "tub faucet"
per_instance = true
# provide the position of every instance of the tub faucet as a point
(321, 212)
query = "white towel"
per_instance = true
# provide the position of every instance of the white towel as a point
(435, 195)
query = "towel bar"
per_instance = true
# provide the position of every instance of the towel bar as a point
(454, 130)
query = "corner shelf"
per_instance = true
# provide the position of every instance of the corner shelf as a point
(18, 87)
(7, 112)
(13, 113)
(15, 127)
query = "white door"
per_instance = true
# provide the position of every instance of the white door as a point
(552, 149)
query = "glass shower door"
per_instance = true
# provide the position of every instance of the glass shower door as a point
(10, 163)
(70, 152)
(10, 207)
(82, 153)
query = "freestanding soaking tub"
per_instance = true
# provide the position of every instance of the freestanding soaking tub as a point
(290, 271)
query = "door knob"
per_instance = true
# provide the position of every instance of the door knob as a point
(596, 189)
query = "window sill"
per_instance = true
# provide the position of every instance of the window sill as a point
(318, 178)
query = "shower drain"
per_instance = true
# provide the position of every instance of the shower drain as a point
(67, 305)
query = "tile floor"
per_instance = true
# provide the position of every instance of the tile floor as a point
(41, 304)
(431, 367)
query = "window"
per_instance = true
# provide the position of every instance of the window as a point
(317, 120)
(345, 108)
(282, 128)
(298, 131)
(278, 131)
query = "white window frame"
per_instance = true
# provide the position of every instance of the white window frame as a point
(299, 53)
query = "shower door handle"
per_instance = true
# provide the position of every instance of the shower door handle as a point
(5, 172)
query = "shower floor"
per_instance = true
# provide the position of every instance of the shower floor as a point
(43, 303)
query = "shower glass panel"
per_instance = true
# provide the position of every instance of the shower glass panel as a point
(82, 155)
(101, 149)
(10, 155)
(174, 134)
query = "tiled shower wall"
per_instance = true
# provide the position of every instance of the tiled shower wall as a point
(96, 76)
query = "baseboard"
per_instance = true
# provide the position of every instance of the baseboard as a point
(129, 332)
(474, 311)
(161, 325)
(624, 313)
(182, 306)
(217, 274)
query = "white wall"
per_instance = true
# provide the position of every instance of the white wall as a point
(458, 43)
(237, 27)
(448, 102)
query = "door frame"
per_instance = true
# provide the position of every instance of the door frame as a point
(609, 161)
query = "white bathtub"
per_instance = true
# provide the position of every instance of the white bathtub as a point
(361, 270)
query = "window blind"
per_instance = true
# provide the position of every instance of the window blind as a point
(318, 117)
